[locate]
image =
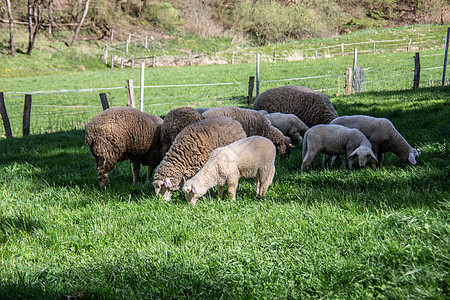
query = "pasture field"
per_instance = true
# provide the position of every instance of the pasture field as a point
(327, 233)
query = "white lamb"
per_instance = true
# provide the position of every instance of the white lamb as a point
(382, 135)
(252, 157)
(336, 140)
(289, 124)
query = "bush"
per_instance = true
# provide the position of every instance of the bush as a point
(163, 14)
(272, 21)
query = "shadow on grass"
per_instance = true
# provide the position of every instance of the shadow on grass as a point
(131, 276)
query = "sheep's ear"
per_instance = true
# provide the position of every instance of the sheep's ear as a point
(157, 185)
(167, 183)
(373, 155)
(353, 153)
(412, 158)
(186, 188)
(194, 189)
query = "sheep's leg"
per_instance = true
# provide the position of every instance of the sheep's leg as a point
(308, 160)
(258, 184)
(220, 192)
(149, 174)
(351, 162)
(135, 167)
(266, 181)
(326, 160)
(334, 159)
(232, 187)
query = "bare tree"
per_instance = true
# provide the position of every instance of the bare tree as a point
(77, 31)
(11, 28)
(34, 22)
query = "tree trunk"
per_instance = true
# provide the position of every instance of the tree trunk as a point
(34, 21)
(11, 29)
(50, 17)
(86, 8)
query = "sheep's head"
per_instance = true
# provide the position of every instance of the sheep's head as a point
(364, 154)
(163, 188)
(192, 192)
(412, 156)
(284, 147)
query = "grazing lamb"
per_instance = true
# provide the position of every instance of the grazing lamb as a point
(311, 107)
(122, 133)
(191, 149)
(336, 140)
(383, 136)
(174, 122)
(289, 124)
(252, 157)
(254, 123)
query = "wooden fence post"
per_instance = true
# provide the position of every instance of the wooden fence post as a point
(132, 62)
(232, 58)
(251, 84)
(5, 118)
(342, 49)
(130, 93)
(112, 61)
(409, 45)
(348, 81)
(104, 101)
(274, 55)
(121, 62)
(26, 115)
(154, 61)
(416, 71)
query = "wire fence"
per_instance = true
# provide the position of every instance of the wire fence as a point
(137, 49)
(65, 109)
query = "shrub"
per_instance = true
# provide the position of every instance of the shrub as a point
(163, 14)
(272, 21)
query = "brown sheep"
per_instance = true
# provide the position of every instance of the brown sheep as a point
(311, 107)
(254, 123)
(191, 149)
(122, 133)
(174, 122)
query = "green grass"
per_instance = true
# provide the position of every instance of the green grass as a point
(326, 233)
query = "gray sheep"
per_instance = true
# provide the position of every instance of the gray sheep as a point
(383, 136)
(336, 140)
(191, 149)
(289, 124)
(311, 107)
(254, 123)
(174, 122)
(252, 157)
(122, 133)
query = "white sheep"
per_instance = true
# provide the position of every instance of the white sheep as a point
(252, 157)
(289, 124)
(382, 135)
(336, 140)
